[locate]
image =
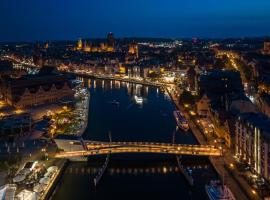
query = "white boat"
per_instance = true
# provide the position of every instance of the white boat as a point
(139, 100)
(216, 191)
(180, 120)
(114, 102)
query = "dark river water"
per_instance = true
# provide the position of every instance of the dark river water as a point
(134, 176)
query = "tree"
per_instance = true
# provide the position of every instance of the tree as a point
(220, 63)
(186, 98)
(245, 70)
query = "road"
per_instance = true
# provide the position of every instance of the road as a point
(240, 192)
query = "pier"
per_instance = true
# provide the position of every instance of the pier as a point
(101, 171)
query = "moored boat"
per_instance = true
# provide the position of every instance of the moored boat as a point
(217, 191)
(139, 100)
(114, 102)
(180, 120)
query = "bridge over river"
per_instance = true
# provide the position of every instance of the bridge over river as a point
(80, 148)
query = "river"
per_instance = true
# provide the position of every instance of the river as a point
(133, 176)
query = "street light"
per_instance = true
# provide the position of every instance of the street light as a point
(232, 165)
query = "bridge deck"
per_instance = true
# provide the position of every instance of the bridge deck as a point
(99, 148)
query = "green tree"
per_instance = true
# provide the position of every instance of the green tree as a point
(186, 98)
(245, 70)
(220, 63)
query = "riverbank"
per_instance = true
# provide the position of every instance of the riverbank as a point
(128, 80)
(217, 163)
(62, 165)
(84, 105)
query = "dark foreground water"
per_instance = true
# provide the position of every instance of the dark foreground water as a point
(133, 176)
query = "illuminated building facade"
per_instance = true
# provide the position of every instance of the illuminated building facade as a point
(86, 46)
(266, 47)
(110, 40)
(79, 44)
(32, 90)
(46, 46)
(133, 49)
(252, 142)
(192, 79)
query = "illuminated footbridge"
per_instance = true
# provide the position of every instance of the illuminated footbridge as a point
(87, 148)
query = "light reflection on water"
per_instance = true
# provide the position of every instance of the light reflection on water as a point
(133, 176)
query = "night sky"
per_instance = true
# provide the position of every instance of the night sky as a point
(31, 20)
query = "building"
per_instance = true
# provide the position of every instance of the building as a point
(241, 104)
(46, 45)
(93, 47)
(202, 106)
(221, 82)
(263, 102)
(133, 49)
(13, 126)
(6, 68)
(110, 40)
(222, 89)
(252, 142)
(192, 79)
(266, 47)
(48, 86)
(69, 143)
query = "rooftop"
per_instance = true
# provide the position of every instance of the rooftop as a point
(258, 120)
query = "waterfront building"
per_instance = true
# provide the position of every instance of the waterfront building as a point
(47, 86)
(252, 142)
(69, 142)
(222, 89)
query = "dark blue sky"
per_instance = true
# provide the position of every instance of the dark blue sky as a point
(30, 20)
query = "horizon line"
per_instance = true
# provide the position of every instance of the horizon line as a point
(138, 37)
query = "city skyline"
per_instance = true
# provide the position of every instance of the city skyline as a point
(145, 99)
(171, 19)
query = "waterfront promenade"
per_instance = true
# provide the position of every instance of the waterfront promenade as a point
(240, 191)
(83, 107)
(123, 79)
